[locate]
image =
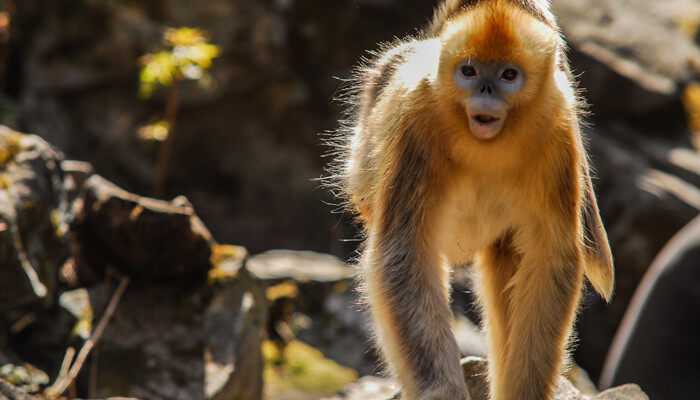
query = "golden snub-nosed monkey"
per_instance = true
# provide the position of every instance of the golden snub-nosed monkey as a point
(463, 144)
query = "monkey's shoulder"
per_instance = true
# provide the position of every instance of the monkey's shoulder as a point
(398, 69)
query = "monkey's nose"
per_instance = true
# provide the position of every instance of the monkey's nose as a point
(486, 88)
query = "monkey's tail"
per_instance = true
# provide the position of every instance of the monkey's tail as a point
(601, 275)
(597, 255)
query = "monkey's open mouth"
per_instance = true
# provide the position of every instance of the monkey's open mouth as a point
(485, 125)
(485, 118)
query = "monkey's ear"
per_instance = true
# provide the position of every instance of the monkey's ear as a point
(598, 260)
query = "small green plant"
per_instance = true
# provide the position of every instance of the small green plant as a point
(187, 55)
(301, 368)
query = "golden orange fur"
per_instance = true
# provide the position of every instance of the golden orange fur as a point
(432, 195)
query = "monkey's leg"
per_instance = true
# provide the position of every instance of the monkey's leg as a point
(495, 268)
(407, 290)
(544, 295)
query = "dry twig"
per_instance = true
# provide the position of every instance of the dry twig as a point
(65, 364)
(64, 380)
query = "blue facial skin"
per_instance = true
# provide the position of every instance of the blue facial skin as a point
(486, 87)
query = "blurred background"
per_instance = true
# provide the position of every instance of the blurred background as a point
(226, 103)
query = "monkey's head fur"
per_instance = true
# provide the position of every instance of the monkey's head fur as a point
(495, 60)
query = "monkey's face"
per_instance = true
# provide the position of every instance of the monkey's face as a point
(487, 86)
(494, 62)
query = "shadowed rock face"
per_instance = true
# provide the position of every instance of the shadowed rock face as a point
(179, 341)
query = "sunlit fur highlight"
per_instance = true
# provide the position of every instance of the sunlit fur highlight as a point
(431, 195)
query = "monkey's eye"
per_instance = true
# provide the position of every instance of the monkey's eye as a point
(468, 71)
(466, 75)
(509, 74)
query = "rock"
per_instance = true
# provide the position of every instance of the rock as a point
(340, 329)
(121, 398)
(470, 339)
(302, 266)
(648, 67)
(320, 305)
(298, 371)
(625, 392)
(34, 218)
(246, 151)
(183, 340)
(580, 379)
(642, 201)
(647, 190)
(140, 237)
(658, 326)
(234, 327)
(368, 388)
(475, 369)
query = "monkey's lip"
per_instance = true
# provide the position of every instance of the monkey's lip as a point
(485, 126)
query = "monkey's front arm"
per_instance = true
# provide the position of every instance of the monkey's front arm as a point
(407, 284)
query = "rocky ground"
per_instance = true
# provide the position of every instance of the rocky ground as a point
(189, 315)
(474, 369)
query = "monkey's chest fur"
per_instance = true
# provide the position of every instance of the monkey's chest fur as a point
(473, 218)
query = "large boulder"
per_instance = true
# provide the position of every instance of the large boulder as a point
(140, 237)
